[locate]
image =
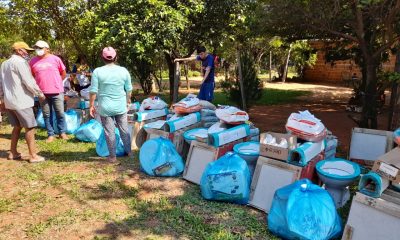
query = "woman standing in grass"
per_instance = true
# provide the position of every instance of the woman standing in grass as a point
(112, 86)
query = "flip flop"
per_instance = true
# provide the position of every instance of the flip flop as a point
(38, 159)
(18, 157)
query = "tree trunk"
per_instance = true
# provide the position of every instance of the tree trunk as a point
(177, 78)
(171, 74)
(394, 96)
(369, 112)
(186, 69)
(241, 82)
(270, 66)
(285, 72)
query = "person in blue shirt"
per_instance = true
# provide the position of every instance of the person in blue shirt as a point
(208, 73)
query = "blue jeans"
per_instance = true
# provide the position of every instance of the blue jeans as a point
(53, 103)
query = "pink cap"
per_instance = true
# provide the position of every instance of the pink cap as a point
(109, 53)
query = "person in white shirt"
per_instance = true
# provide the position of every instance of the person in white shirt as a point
(17, 91)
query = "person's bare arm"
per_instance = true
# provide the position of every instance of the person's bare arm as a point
(208, 69)
(92, 108)
(63, 74)
(192, 58)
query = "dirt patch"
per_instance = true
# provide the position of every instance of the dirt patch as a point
(325, 102)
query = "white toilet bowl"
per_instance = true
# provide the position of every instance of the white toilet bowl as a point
(337, 174)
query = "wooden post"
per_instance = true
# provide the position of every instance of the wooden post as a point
(270, 66)
(186, 69)
(241, 81)
(286, 65)
(177, 78)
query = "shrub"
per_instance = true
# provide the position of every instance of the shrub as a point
(251, 83)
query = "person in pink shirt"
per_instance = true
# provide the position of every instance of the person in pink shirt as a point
(49, 71)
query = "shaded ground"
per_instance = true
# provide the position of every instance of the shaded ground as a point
(75, 195)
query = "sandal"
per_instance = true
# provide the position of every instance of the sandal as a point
(37, 159)
(17, 157)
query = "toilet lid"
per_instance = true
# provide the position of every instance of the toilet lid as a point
(338, 168)
(247, 148)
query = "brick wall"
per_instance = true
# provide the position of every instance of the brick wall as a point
(323, 71)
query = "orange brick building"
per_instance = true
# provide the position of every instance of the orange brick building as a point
(339, 71)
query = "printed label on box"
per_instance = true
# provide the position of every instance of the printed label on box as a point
(387, 169)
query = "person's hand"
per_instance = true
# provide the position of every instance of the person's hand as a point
(42, 97)
(92, 111)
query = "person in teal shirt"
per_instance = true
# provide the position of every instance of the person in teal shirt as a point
(111, 85)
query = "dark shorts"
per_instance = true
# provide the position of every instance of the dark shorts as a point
(22, 118)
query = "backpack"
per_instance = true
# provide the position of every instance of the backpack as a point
(217, 61)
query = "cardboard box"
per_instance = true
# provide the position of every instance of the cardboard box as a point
(275, 152)
(229, 135)
(139, 135)
(388, 165)
(73, 103)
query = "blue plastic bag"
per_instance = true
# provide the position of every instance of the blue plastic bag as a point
(158, 157)
(39, 119)
(227, 179)
(101, 145)
(396, 135)
(72, 122)
(89, 132)
(303, 210)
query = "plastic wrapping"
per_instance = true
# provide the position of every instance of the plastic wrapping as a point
(152, 103)
(189, 104)
(229, 135)
(210, 119)
(248, 151)
(85, 93)
(150, 114)
(207, 105)
(158, 157)
(191, 135)
(396, 135)
(373, 185)
(207, 113)
(227, 179)
(231, 115)
(306, 126)
(39, 119)
(134, 107)
(182, 122)
(217, 127)
(208, 124)
(89, 132)
(101, 145)
(72, 122)
(303, 210)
